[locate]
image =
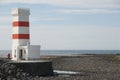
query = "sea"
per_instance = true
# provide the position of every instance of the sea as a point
(3, 53)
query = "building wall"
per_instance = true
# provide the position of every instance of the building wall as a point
(34, 52)
(21, 37)
(23, 30)
(20, 30)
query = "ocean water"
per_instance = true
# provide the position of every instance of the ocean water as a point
(4, 53)
(67, 52)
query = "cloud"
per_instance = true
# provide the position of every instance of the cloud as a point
(5, 20)
(75, 3)
(46, 19)
(76, 37)
(5, 33)
(68, 36)
(87, 11)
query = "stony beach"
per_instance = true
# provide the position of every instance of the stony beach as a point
(91, 67)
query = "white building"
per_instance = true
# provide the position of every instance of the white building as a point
(21, 48)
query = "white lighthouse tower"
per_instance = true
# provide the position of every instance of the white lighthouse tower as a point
(21, 48)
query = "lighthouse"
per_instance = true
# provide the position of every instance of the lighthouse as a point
(21, 48)
(24, 55)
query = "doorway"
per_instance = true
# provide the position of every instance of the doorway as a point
(20, 54)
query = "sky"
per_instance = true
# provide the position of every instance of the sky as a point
(66, 24)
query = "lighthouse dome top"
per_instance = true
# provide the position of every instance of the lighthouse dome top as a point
(21, 11)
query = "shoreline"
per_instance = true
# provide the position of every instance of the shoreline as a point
(91, 67)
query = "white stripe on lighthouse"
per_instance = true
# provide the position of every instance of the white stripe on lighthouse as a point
(21, 18)
(20, 42)
(20, 30)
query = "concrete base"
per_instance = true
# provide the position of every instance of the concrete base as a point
(35, 68)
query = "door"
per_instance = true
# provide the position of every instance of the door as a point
(21, 54)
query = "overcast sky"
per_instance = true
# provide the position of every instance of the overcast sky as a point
(66, 24)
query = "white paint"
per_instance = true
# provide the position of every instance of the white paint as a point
(34, 52)
(20, 42)
(20, 11)
(20, 30)
(29, 52)
(21, 18)
(21, 48)
(22, 15)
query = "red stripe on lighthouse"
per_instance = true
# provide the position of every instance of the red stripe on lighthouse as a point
(20, 23)
(20, 36)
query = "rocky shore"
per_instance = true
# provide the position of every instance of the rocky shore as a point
(91, 67)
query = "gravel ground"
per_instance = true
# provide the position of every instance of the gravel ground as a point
(92, 67)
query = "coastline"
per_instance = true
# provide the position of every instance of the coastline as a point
(90, 67)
